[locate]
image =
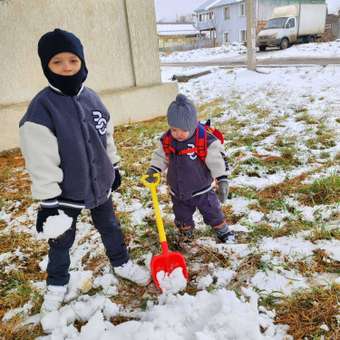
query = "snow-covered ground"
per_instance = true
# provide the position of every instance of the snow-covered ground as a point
(237, 51)
(266, 114)
(226, 51)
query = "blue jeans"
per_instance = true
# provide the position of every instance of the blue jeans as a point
(105, 222)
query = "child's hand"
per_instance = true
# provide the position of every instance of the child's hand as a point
(222, 190)
(151, 178)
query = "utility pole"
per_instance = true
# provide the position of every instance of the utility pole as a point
(251, 34)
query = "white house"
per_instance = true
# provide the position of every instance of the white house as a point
(225, 20)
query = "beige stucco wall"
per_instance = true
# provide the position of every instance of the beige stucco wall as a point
(121, 51)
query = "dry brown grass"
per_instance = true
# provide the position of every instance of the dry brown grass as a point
(323, 191)
(319, 263)
(230, 217)
(304, 312)
(14, 183)
(285, 188)
(247, 269)
(11, 330)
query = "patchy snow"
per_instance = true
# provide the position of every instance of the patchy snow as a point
(204, 282)
(284, 282)
(255, 216)
(239, 204)
(108, 282)
(216, 315)
(236, 51)
(85, 308)
(224, 276)
(80, 282)
(173, 282)
(55, 225)
(25, 309)
(296, 247)
(231, 51)
(280, 112)
(207, 316)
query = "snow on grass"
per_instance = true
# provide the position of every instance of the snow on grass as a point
(282, 134)
(236, 51)
(230, 51)
(297, 247)
(284, 282)
(208, 316)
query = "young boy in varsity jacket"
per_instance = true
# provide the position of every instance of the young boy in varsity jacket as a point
(190, 178)
(67, 141)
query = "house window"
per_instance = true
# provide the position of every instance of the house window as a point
(242, 9)
(211, 15)
(226, 13)
(200, 17)
(243, 35)
(225, 37)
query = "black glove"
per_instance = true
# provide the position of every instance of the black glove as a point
(43, 215)
(151, 178)
(118, 180)
(222, 189)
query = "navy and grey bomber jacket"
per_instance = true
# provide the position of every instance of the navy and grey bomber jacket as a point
(68, 146)
(187, 175)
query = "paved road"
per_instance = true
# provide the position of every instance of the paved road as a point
(260, 62)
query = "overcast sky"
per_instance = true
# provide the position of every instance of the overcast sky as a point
(168, 9)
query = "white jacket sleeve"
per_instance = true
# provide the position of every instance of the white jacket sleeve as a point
(111, 148)
(39, 147)
(215, 161)
(159, 159)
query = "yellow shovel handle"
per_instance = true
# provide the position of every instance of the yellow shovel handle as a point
(153, 189)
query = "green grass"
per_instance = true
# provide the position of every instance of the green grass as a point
(324, 139)
(308, 119)
(322, 191)
(16, 290)
(260, 111)
(323, 233)
(288, 228)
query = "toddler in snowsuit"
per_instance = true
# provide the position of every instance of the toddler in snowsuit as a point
(189, 178)
(66, 139)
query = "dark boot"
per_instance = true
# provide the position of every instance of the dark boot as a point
(224, 234)
(186, 232)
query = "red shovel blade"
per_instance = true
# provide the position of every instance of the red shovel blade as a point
(167, 262)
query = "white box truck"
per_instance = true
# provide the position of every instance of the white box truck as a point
(292, 24)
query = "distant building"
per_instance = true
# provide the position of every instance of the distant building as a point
(332, 27)
(177, 36)
(225, 20)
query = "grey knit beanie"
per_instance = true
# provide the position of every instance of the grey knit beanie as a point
(182, 114)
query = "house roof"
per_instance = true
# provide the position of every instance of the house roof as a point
(176, 29)
(207, 5)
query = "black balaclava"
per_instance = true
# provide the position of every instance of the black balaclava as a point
(56, 42)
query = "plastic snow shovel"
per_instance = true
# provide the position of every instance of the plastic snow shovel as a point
(168, 260)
